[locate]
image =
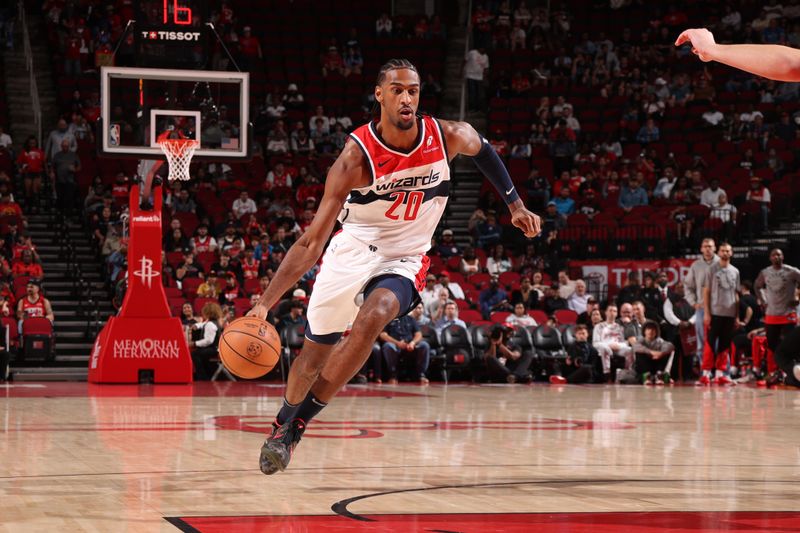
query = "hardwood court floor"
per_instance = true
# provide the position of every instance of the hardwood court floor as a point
(79, 457)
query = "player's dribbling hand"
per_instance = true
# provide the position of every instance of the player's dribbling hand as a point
(702, 42)
(530, 223)
(258, 311)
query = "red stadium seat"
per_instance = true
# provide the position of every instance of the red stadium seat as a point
(470, 316)
(566, 316)
(499, 317)
(37, 338)
(538, 315)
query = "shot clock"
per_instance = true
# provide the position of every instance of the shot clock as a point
(172, 33)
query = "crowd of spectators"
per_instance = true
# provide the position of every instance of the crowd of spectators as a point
(610, 123)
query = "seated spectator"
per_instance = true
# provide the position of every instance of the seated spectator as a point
(566, 286)
(383, 26)
(503, 360)
(538, 189)
(430, 292)
(653, 356)
(435, 308)
(498, 263)
(552, 220)
(243, 205)
(33, 304)
(651, 294)
(453, 289)
(630, 292)
(175, 241)
(470, 264)
(418, 314)
(294, 317)
(609, 340)
(759, 194)
(633, 328)
(591, 306)
(353, 61)
(633, 195)
(203, 241)
(564, 203)
(230, 289)
(579, 299)
(187, 315)
(552, 300)
(25, 266)
(649, 133)
(183, 203)
(665, 183)
(230, 242)
(402, 336)
(449, 318)
(210, 287)
(447, 247)
(710, 196)
(526, 294)
(188, 268)
(293, 99)
(583, 364)
(493, 298)
(520, 317)
(489, 232)
(117, 260)
(204, 341)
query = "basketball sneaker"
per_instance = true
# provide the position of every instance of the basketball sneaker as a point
(557, 380)
(703, 381)
(278, 448)
(723, 380)
(796, 371)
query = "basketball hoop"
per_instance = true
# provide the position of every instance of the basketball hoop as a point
(179, 154)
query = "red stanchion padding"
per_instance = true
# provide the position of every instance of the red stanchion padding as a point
(143, 336)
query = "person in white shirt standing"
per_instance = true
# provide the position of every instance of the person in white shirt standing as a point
(720, 316)
(475, 66)
(694, 284)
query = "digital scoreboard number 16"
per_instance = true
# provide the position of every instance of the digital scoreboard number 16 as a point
(180, 15)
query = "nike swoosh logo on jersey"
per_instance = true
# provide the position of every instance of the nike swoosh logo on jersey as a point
(380, 165)
(509, 191)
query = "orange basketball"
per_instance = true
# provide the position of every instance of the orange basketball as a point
(249, 347)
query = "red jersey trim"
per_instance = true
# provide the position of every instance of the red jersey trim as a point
(374, 133)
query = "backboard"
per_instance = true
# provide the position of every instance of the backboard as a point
(139, 105)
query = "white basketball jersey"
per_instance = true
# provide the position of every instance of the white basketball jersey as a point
(398, 213)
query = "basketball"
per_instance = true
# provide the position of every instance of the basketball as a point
(249, 347)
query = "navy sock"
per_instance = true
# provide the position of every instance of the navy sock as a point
(287, 412)
(309, 408)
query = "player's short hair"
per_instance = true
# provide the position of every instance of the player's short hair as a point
(394, 64)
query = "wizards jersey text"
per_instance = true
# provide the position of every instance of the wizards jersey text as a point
(399, 211)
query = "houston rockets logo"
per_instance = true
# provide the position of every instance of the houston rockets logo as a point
(146, 272)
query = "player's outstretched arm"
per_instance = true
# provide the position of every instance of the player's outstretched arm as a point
(463, 139)
(768, 60)
(348, 172)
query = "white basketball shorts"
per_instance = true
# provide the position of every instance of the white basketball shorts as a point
(347, 267)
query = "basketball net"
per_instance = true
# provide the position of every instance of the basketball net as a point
(179, 154)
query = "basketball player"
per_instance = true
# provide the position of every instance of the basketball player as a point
(388, 188)
(720, 316)
(771, 61)
(775, 288)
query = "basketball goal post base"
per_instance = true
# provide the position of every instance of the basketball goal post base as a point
(143, 336)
